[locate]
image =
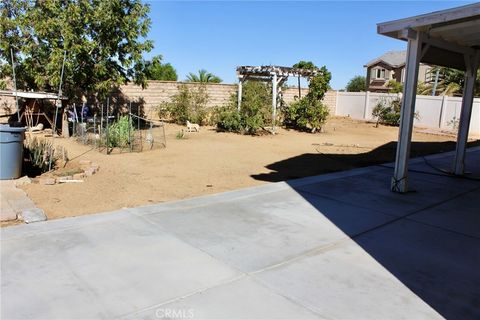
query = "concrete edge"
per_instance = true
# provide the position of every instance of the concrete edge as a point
(19, 231)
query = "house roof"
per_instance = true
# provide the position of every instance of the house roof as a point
(394, 59)
(447, 35)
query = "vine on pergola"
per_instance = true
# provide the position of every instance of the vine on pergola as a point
(277, 75)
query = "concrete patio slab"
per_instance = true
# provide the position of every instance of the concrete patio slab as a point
(222, 302)
(334, 246)
(460, 215)
(439, 265)
(103, 270)
(252, 234)
(330, 282)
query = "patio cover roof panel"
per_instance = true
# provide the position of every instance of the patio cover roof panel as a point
(449, 30)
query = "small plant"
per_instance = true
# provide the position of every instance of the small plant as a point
(388, 112)
(454, 122)
(181, 135)
(119, 132)
(39, 155)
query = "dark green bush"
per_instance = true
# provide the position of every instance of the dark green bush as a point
(188, 104)
(229, 119)
(254, 113)
(309, 113)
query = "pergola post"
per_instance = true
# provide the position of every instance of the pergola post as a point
(399, 180)
(471, 63)
(239, 94)
(274, 100)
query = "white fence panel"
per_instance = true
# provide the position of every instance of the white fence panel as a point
(351, 104)
(429, 111)
(375, 98)
(434, 112)
(452, 113)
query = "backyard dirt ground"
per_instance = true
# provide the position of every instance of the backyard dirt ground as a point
(210, 162)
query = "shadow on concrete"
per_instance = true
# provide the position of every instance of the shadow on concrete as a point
(428, 239)
(311, 164)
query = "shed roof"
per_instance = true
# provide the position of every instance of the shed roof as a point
(449, 34)
(32, 95)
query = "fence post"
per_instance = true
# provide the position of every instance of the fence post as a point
(106, 131)
(443, 108)
(129, 125)
(336, 102)
(367, 101)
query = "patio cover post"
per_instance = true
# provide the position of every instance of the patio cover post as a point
(239, 101)
(471, 63)
(274, 100)
(399, 180)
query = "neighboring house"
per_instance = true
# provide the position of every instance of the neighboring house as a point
(391, 66)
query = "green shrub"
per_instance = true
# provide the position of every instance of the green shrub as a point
(388, 112)
(118, 133)
(189, 104)
(229, 119)
(309, 113)
(39, 154)
(254, 113)
(305, 114)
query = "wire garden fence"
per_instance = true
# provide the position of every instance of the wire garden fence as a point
(117, 132)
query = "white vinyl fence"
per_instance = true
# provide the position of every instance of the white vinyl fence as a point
(433, 111)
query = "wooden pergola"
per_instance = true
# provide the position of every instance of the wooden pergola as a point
(274, 74)
(449, 38)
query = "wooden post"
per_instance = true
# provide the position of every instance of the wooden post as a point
(274, 100)
(465, 113)
(400, 178)
(239, 101)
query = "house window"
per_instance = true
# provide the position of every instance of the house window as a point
(379, 73)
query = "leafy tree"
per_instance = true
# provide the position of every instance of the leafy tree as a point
(357, 84)
(203, 76)
(103, 41)
(308, 65)
(155, 70)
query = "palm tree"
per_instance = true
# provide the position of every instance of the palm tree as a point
(203, 76)
(450, 82)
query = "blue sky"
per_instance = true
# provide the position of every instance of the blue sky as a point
(221, 35)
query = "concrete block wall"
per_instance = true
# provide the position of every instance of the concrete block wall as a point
(219, 94)
(158, 92)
